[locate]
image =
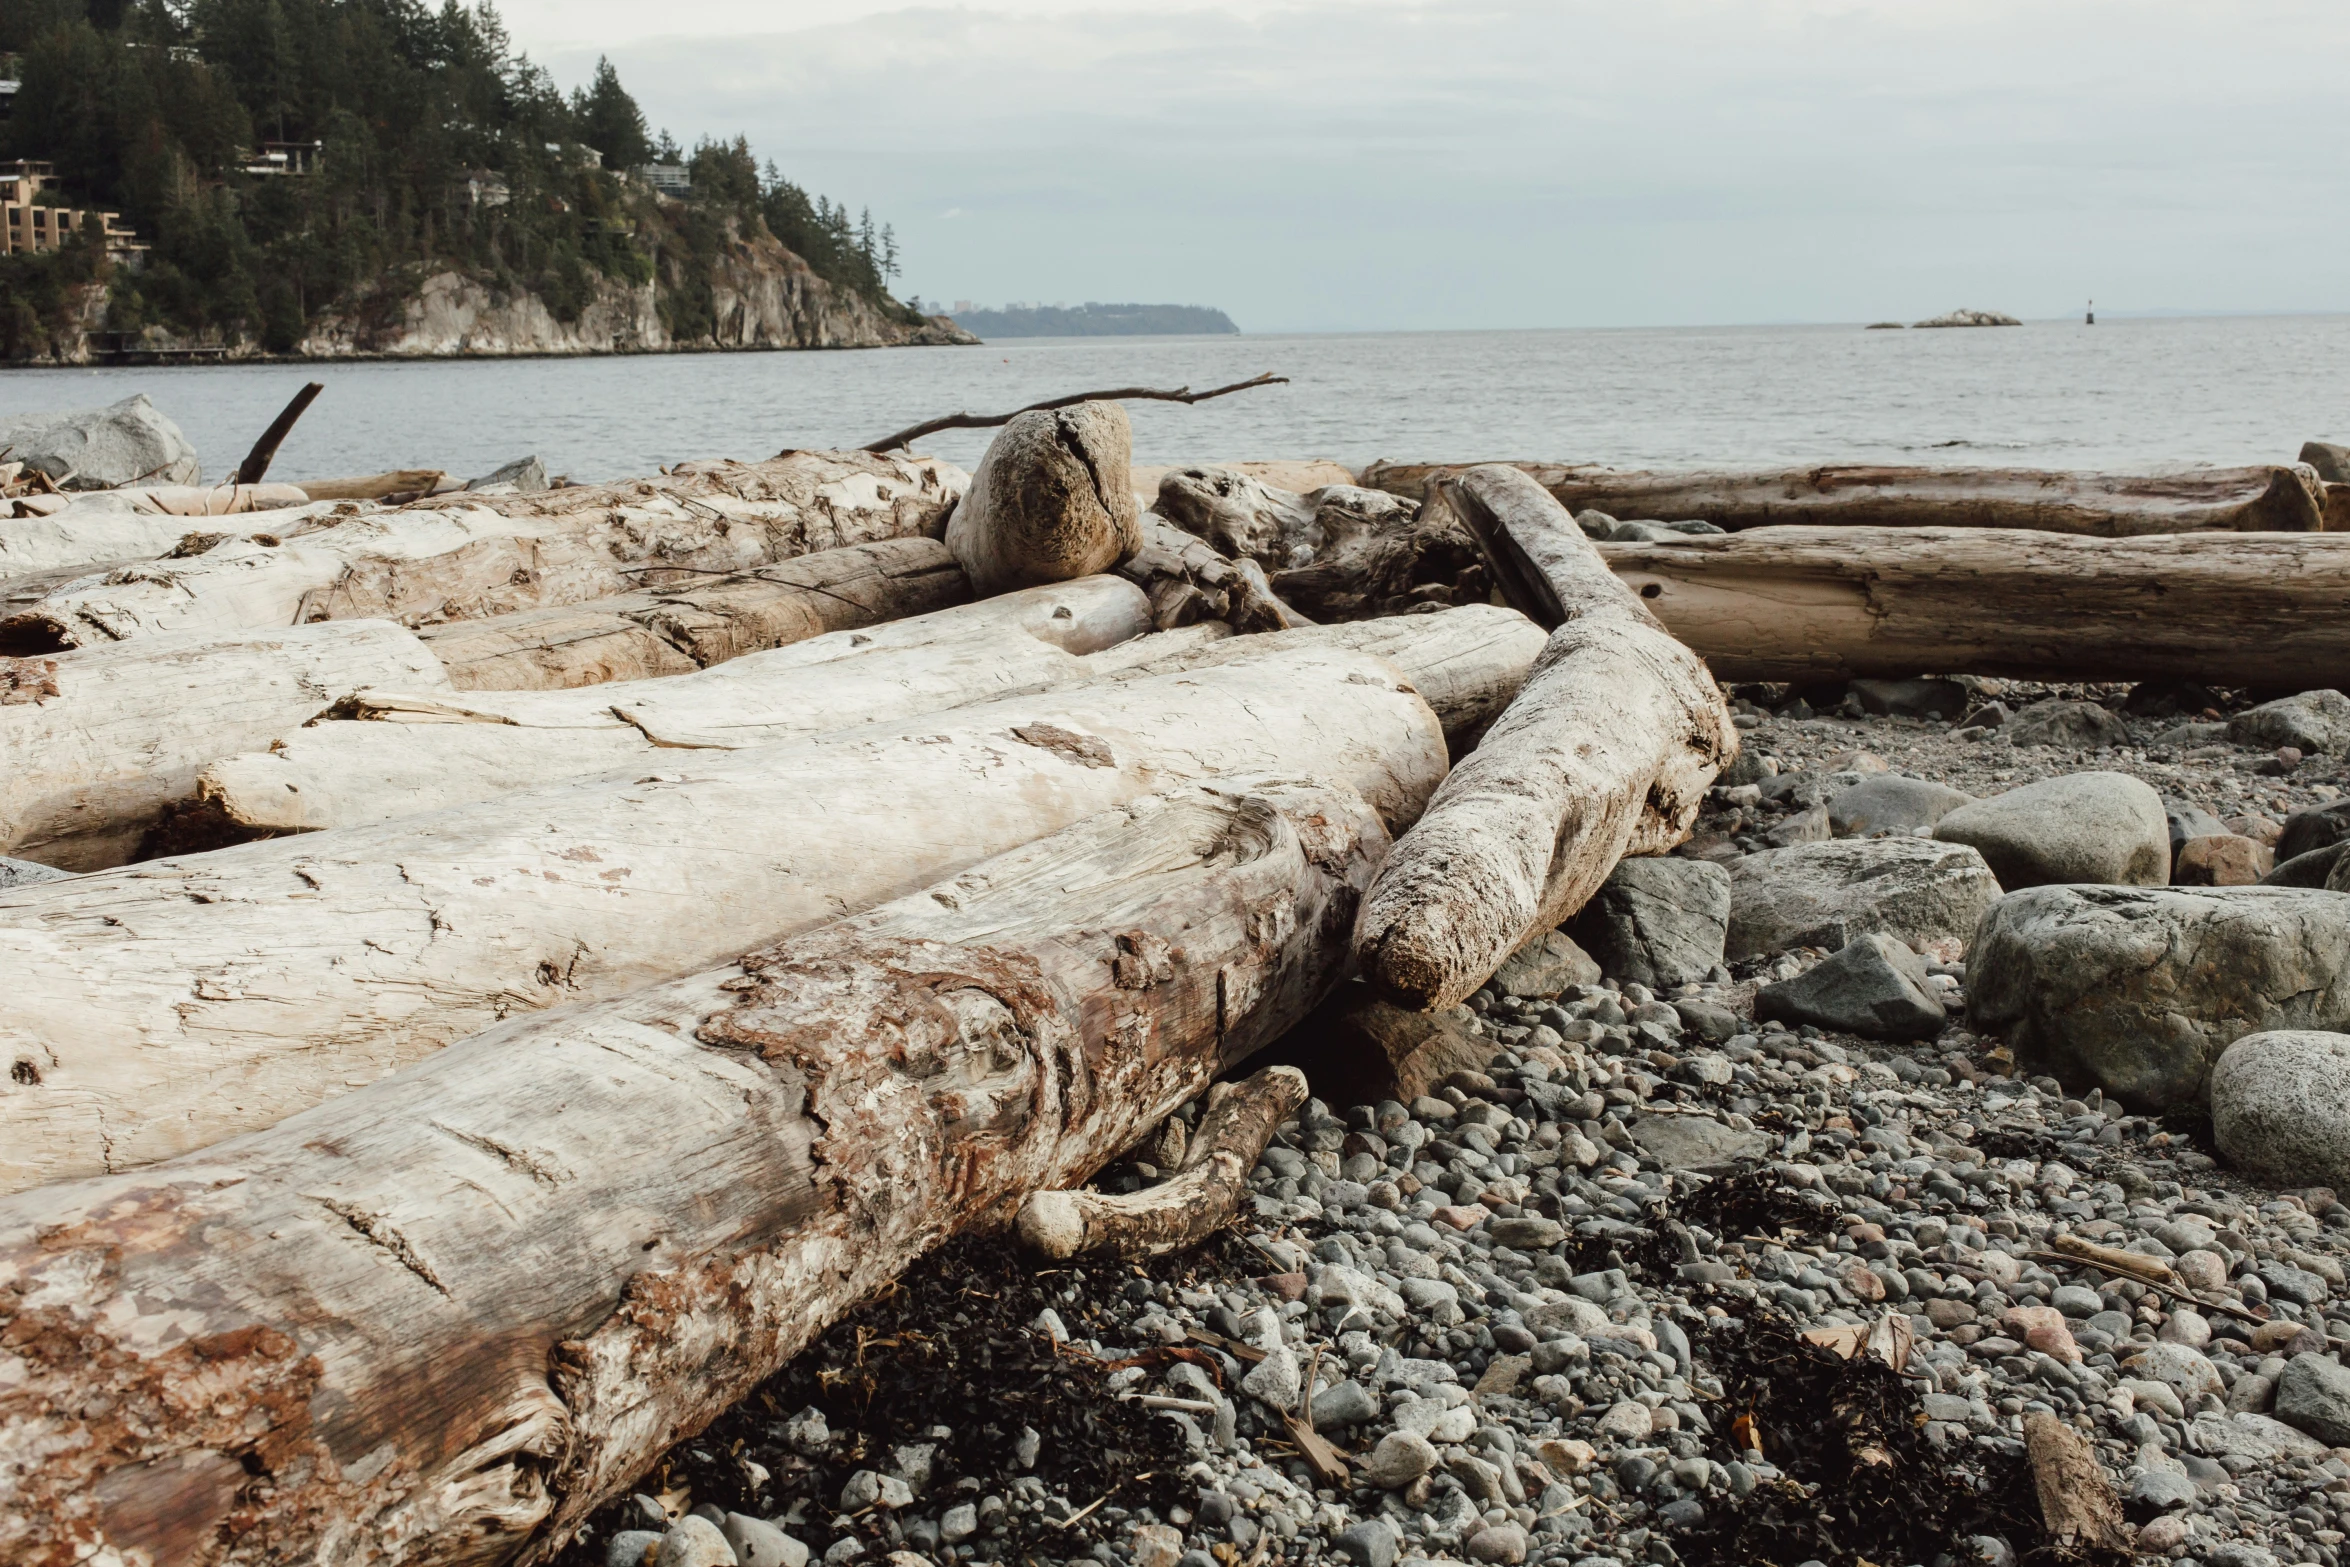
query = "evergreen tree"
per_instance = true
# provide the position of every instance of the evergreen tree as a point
(610, 121)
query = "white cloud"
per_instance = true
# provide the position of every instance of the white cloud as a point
(1506, 162)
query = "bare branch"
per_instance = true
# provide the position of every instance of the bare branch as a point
(1181, 394)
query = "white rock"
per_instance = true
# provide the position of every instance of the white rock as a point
(694, 1542)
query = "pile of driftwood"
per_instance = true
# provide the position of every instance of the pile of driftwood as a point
(536, 959)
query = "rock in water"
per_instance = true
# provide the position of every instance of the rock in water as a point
(2073, 725)
(1888, 803)
(2280, 1107)
(2311, 722)
(524, 476)
(2106, 828)
(1051, 500)
(1874, 987)
(129, 442)
(2331, 462)
(1824, 894)
(1658, 922)
(2137, 990)
(1545, 966)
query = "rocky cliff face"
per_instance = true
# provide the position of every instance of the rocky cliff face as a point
(763, 296)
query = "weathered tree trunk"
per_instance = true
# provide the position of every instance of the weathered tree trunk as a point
(1468, 663)
(437, 1322)
(1050, 501)
(1194, 1203)
(111, 533)
(1188, 582)
(466, 558)
(2269, 498)
(95, 743)
(387, 753)
(375, 486)
(1812, 603)
(1343, 553)
(1607, 751)
(162, 1008)
(695, 624)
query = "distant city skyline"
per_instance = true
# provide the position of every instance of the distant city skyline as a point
(1383, 164)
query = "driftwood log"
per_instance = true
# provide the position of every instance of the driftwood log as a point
(322, 1343)
(2270, 498)
(113, 530)
(388, 753)
(156, 1010)
(1201, 1194)
(1607, 751)
(1190, 581)
(1813, 603)
(1468, 663)
(467, 557)
(96, 743)
(1049, 501)
(701, 621)
(1340, 553)
(376, 486)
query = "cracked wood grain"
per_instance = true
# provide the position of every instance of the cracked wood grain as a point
(321, 1342)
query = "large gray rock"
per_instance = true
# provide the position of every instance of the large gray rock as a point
(2080, 726)
(1888, 803)
(2137, 990)
(1874, 987)
(129, 442)
(1824, 894)
(23, 873)
(2280, 1107)
(1657, 921)
(2314, 1396)
(2107, 828)
(2319, 827)
(2313, 721)
(1545, 966)
(1699, 1143)
(2331, 462)
(2314, 869)
(524, 476)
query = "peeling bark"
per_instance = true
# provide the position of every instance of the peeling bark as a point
(695, 624)
(439, 1321)
(175, 1003)
(2270, 497)
(1607, 751)
(469, 557)
(1830, 603)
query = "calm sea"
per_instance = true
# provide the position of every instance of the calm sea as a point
(2125, 395)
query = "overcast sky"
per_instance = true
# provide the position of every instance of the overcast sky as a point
(1383, 164)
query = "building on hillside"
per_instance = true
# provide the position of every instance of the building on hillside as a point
(32, 225)
(487, 188)
(667, 179)
(282, 159)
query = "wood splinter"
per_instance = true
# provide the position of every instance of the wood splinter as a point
(1240, 1120)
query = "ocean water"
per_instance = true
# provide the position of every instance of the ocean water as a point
(2126, 395)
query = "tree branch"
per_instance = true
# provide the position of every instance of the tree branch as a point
(1181, 394)
(257, 461)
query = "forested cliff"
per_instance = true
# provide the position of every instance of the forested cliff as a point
(439, 193)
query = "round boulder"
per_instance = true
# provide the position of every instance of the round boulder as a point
(2103, 828)
(2280, 1107)
(1889, 803)
(1051, 500)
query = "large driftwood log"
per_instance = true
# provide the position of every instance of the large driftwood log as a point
(1607, 751)
(1812, 603)
(694, 624)
(104, 529)
(1189, 581)
(1049, 501)
(1469, 663)
(464, 558)
(387, 753)
(161, 1008)
(2270, 498)
(437, 1322)
(95, 743)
